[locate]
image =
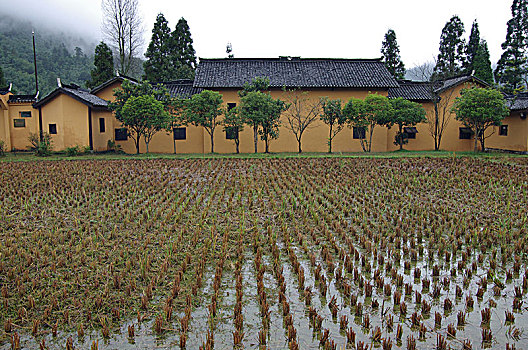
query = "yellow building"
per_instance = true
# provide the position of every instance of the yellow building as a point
(78, 117)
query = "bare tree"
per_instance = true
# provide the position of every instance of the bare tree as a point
(123, 30)
(301, 113)
(441, 99)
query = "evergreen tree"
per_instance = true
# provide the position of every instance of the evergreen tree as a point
(158, 66)
(182, 51)
(451, 58)
(390, 52)
(472, 47)
(3, 82)
(512, 66)
(104, 65)
(482, 63)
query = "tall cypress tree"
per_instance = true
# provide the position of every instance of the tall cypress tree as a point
(158, 66)
(452, 56)
(472, 47)
(512, 65)
(390, 51)
(482, 64)
(104, 65)
(3, 82)
(183, 54)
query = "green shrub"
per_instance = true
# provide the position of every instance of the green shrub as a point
(72, 151)
(41, 147)
(2, 148)
(113, 147)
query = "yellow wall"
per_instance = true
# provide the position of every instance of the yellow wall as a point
(517, 138)
(20, 136)
(71, 117)
(4, 122)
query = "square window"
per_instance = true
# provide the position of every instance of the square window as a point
(25, 114)
(230, 106)
(102, 127)
(503, 130)
(465, 133)
(410, 132)
(52, 129)
(180, 133)
(19, 123)
(358, 132)
(121, 134)
(231, 133)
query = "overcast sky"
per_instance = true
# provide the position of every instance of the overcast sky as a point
(324, 28)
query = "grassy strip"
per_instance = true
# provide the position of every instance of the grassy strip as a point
(28, 157)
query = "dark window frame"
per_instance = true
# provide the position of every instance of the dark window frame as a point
(121, 134)
(232, 133)
(359, 132)
(464, 134)
(503, 130)
(231, 105)
(24, 114)
(19, 123)
(52, 129)
(179, 133)
(102, 125)
(410, 132)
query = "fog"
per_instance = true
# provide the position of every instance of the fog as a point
(331, 28)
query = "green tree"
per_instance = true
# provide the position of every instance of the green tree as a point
(182, 51)
(104, 66)
(130, 90)
(512, 66)
(451, 57)
(233, 125)
(482, 64)
(390, 52)
(250, 112)
(270, 122)
(479, 109)
(404, 113)
(332, 115)
(472, 48)
(158, 66)
(366, 114)
(143, 116)
(3, 82)
(203, 110)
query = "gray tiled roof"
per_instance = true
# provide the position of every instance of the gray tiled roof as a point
(4, 91)
(294, 72)
(517, 102)
(411, 90)
(21, 98)
(77, 93)
(182, 88)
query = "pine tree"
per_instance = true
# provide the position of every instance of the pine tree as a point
(390, 52)
(451, 58)
(3, 82)
(512, 66)
(472, 47)
(104, 65)
(482, 63)
(158, 66)
(183, 54)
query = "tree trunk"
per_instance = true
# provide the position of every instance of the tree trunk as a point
(212, 141)
(482, 147)
(147, 143)
(255, 138)
(436, 136)
(174, 144)
(137, 145)
(371, 131)
(267, 144)
(476, 138)
(299, 144)
(330, 140)
(400, 141)
(237, 143)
